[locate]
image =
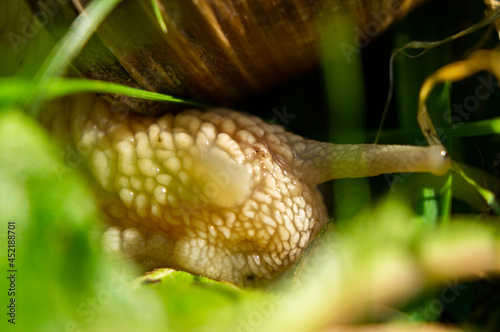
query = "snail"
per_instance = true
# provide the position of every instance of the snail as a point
(218, 193)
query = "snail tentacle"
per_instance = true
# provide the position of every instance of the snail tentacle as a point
(320, 162)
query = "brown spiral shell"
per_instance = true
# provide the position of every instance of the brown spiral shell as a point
(215, 51)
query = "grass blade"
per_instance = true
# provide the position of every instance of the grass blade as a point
(68, 48)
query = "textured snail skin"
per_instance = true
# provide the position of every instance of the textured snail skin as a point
(217, 193)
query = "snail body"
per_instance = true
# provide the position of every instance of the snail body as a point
(217, 193)
(213, 193)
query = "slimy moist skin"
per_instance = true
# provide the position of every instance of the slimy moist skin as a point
(218, 193)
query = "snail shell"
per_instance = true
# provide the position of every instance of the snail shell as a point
(216, 51)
